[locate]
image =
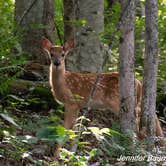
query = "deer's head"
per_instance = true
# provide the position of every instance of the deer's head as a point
(57, 54)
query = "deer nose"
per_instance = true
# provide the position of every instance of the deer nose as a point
(57, 62)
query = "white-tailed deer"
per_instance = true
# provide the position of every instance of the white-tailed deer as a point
(66, 86)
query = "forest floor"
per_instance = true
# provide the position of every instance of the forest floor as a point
(30, 129)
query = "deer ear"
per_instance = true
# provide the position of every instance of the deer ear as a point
(46, 44)
(69, 45)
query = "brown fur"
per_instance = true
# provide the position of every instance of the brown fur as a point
(67, 85)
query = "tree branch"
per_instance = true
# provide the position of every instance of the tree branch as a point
(26, 11)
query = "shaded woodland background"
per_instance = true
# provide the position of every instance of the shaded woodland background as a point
(30, 120)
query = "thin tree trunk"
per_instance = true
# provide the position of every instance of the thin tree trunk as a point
(69, 17)
(35, 20)
(150, 67)
(126, 51)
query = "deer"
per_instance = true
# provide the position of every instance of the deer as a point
(65, 85)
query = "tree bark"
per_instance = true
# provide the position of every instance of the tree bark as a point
(69, 17)
(126, 70)
(35, 19)
(87, 55)
(150, 67)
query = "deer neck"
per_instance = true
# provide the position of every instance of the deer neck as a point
(57, 75)
(58, 82)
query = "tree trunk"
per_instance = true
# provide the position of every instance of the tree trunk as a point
(35, 20)
(69, 17)
(87, 56)
(150, 67)
(126, 51)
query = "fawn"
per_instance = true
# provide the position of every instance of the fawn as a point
(65, 85)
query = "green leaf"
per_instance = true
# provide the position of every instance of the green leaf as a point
(93, 152)
(105, 131)
(9, 119)
(94, 130)
(83, 22)
(60, 130)
(47, 133)
(16, 98)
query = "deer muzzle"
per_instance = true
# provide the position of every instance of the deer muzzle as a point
(57, 62)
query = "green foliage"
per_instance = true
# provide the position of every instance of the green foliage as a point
(162, 40)
(6, 20)
(161, 93)
(7, 38)
(9, 119)
(111, 19)
(9, 62)
(139, 39)
(112, 16)
(7, 75)
(18, 147)
(25, 134)
(58, 6)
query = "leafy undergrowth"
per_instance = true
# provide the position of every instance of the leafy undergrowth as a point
(30, 129)
(29, 138)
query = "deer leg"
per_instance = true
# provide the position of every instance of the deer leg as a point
(159, 131)
(71, 113)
